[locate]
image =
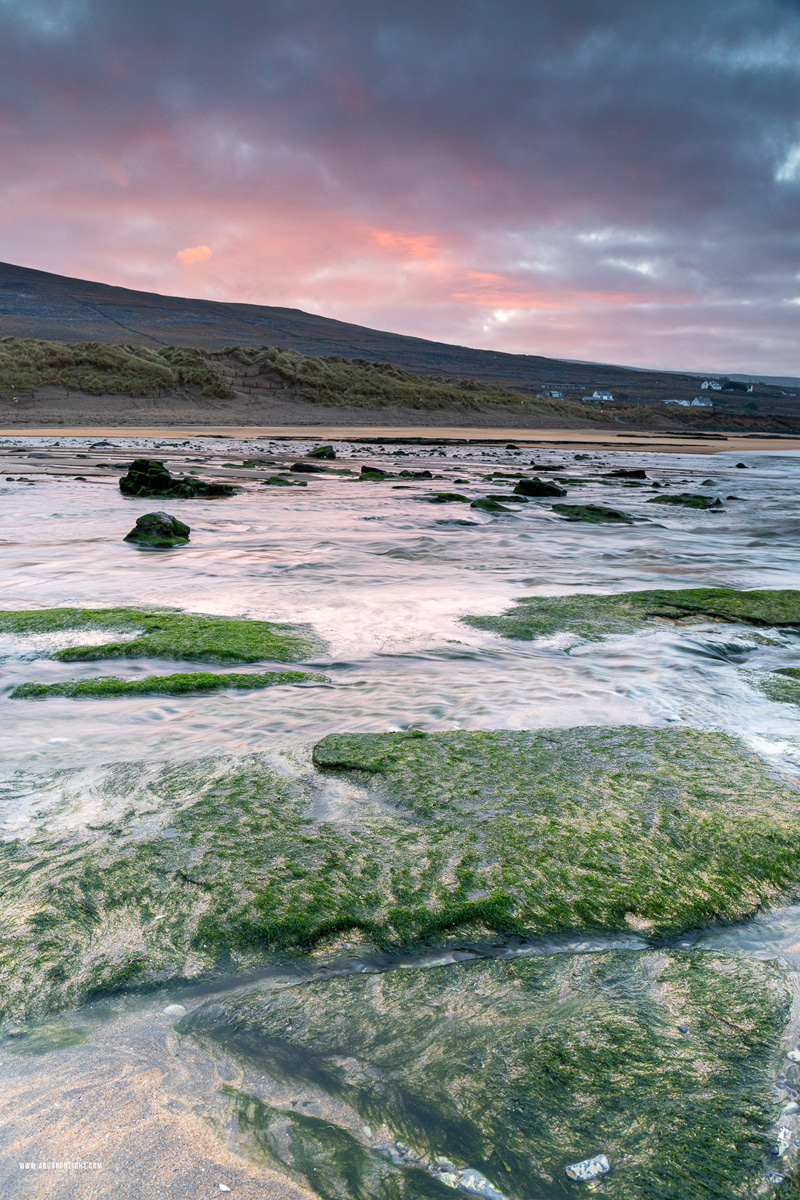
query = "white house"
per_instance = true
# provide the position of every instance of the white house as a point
(701, 402)
(598, 397)
(713, 384)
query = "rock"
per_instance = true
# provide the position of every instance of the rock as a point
(507, 498)
(160, 530)
(282, 481)
(595, 514)
(590, 1168)
(447, 498)
(537, 487)
(416, 475)
(688, 500)
(489, 504)
(375, 473)
(626, 473)
(742, 466)
(148, 477)
(322, 452)
(174, 1010)
(307, 468)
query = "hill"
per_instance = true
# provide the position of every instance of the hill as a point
(256, 351)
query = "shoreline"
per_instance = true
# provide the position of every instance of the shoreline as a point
(706, 443)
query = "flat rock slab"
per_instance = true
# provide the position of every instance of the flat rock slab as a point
(607, 829)
(494, 1077)
(594, 617)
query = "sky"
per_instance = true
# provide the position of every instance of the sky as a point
(610, 180)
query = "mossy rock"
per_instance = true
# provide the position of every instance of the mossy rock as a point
(782, 685)
(149, 478)
(513, 1069)
(489, 504)
(326, 452)
(159, 530)
(446, 498)
(539, 487)
(595, 617)
(282, 481)
(194, 868)
(375, 474)
(688, 500)
(162, 685)
(167, 633)
(593, 514)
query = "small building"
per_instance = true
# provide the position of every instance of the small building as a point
(554, 395)
(713, 385)
(683, 403)
(597, 398)
(701, 402)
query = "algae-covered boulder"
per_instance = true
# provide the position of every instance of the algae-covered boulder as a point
(626, 473)
(326, 452)
(688, 500)
(501, 1073)
(148, 477)
(375, 474)
(539, 487)
(282, 481)
(782, 685)
(307, 468)
(147, 871)
(159, 529)
(594, 617)
(446, 498)
(593, 514)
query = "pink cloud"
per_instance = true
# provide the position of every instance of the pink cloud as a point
(193, 254)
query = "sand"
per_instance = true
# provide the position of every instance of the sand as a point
(576, 439)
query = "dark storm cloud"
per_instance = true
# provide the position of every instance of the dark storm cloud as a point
(600, 179)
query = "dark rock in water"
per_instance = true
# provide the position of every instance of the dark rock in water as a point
(447, 498)
(627, 473)
(595, 514)
(489, 504)
(508, 497)
(148, 477)
(159, 529)
(742, 466)
(416, 475)
(512, 446)
(688, 500)
(282, 481)
(536, 487)
(307, 468)
(375, 473)
(322, 452)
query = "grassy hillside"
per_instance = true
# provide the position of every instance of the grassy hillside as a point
(28, 363)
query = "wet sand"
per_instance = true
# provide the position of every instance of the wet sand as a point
(573, 438)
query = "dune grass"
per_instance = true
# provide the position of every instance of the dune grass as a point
(29, 363)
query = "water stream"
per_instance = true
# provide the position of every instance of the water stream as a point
(383, 577)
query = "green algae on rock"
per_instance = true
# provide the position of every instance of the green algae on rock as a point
(514, 1069)
(688, 500)
(595, 617)
(167, 633)
(190, 868)
(446, 498)
(782, 685)
(161, 685)
(159, 530)
(282, 481)
(489, 504)
(593, 514)
(148, 477)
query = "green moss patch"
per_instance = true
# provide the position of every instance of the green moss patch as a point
(782, 685)
(167, 633)
(595, 617)
(688, 500)
(195, 867)
(512, 1069)
(161, 685)
(593, 514)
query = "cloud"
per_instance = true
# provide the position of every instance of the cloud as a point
(193, 254)
(617, 180)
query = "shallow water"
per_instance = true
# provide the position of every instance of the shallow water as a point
(383, 577)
